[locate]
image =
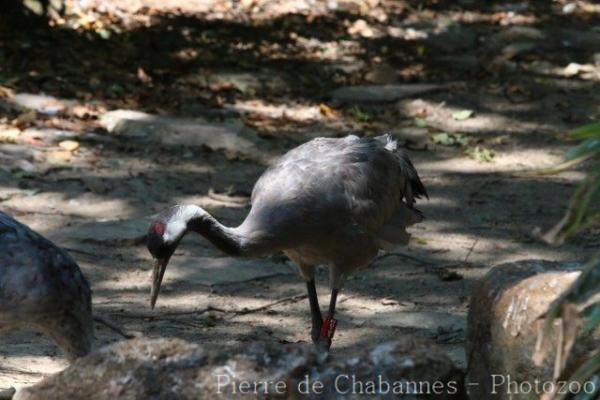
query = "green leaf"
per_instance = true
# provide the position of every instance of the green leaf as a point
(421, 240)
(443, 138)
(462, 115)
(450, 139)
(584, 372)
(586, 131)
(584, 204)
(592, 317)
(590, 394)
(583, 210)
(585, 148)
(116, 89)
(480, 153)
(421, 122)
(461, 139)
(359, 114)
(104, 33)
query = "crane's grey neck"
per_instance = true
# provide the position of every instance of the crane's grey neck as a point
(193, 218)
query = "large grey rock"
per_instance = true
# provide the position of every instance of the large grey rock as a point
(173, 369)
(40, 102)
(503, 326)
(233, 138)
(381, 93)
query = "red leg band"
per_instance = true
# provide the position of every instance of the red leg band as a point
(328, 328)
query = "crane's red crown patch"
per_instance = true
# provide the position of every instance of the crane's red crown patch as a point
(158, 228)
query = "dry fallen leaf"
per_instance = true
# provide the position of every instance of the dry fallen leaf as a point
(327, 111)
(25, 119)
(143, 76)
(5, 91)
(362, 28)
(69, 145)
(389, 302)
(9, 135)
(82, 111)
(59, 156)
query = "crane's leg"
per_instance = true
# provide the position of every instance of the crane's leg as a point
(328, 327)
(315, 311)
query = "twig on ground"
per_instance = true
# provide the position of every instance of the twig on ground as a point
(20, 371)
(398, 254)
(233, 313)
(170, 313)
(292, 299)
(87, 253)
(113, 326)
(225, 198)
(471, 250)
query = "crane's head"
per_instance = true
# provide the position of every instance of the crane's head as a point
(164, 235)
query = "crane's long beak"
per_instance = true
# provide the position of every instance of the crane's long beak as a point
(160, 266)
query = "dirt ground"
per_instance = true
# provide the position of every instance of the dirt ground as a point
(514, 77)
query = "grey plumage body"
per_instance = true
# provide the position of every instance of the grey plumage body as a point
(329, 201)
(335, 202)
(43, 289)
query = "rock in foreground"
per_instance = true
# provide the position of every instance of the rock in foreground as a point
(174, 369)
(503, 326)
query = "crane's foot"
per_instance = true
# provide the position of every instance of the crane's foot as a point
(323, 344)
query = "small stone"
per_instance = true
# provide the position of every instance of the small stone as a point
(569, 8)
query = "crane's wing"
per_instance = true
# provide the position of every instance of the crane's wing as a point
(382, 189)
(369, 180)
